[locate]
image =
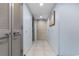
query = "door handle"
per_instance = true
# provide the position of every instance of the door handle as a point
(7, 35)
(4, 37)
(16, 34)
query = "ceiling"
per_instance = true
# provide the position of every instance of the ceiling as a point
(39, 11)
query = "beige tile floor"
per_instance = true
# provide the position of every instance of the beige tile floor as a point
(40, 48)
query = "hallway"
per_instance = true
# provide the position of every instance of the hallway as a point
(52, 30)
(40, 48)
(40, 45)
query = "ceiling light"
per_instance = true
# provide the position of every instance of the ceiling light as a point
(41, 4)
(41, 16)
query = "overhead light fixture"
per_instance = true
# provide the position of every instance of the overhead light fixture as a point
(41, 4)
(41, 16)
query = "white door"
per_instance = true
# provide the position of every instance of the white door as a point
(5, 29)
(41, 30)
(16, 29)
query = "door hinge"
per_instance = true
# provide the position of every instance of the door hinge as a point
(21, 51)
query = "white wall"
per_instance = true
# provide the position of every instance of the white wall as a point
(27, 28)
(53, 36)
(67, 31)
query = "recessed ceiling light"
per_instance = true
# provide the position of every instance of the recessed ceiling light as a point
(41, 16)
(41, 4)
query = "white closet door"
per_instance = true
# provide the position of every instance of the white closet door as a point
(4, 29)
(16, 29)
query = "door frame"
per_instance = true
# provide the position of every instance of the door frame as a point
(10, 27)
(21, 19)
